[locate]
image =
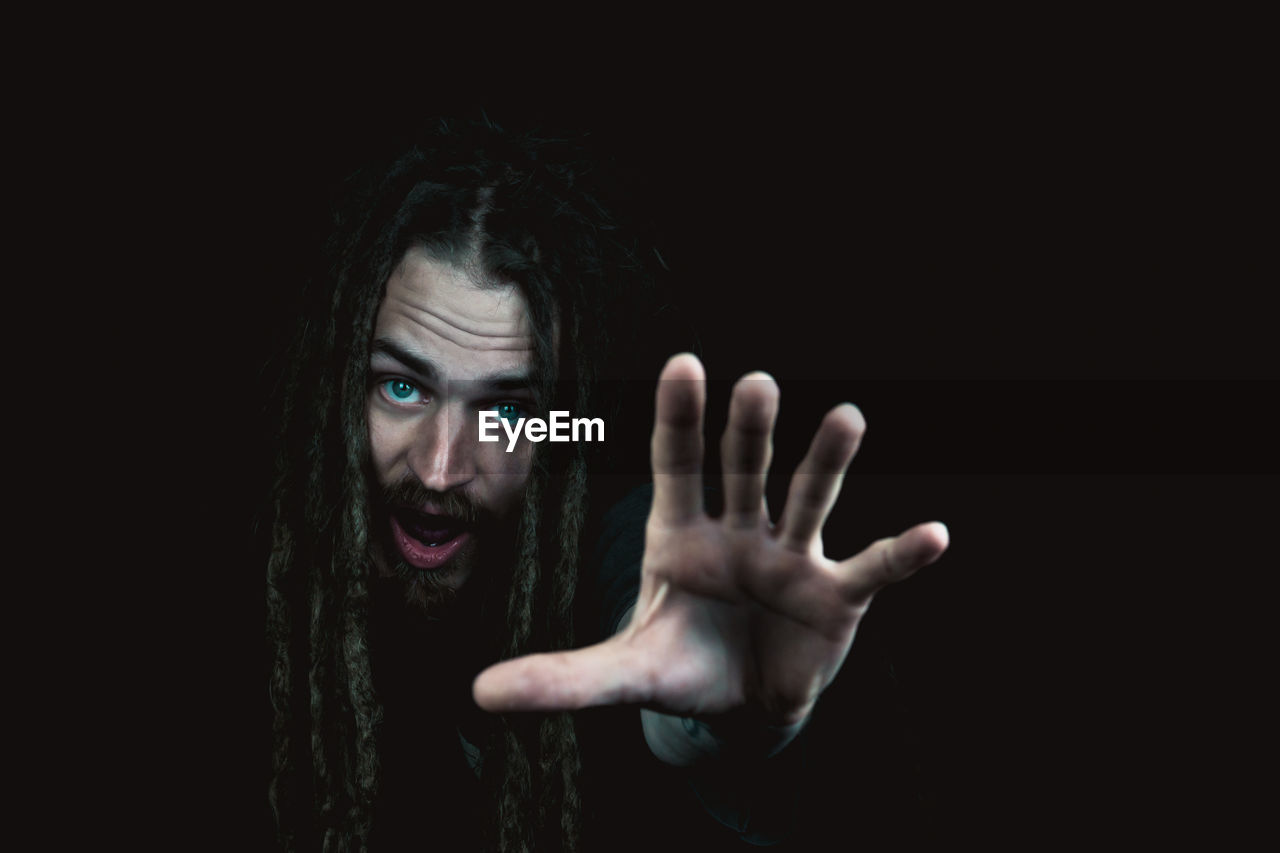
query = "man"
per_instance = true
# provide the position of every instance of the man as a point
(423, 583)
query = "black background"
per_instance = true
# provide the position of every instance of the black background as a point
(1043, 290)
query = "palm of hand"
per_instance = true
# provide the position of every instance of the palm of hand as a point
(708, 635)
(735, 612)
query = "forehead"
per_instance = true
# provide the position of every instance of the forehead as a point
(436, 310)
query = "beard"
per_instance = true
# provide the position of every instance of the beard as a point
(443, 592)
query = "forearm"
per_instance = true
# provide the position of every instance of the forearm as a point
(744, 778)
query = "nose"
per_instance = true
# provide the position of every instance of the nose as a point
(442, 456)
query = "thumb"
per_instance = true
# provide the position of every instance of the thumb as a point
(603, 674)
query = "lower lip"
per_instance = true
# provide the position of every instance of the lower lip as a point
(423, 556)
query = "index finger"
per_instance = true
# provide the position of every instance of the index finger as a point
(676, 447)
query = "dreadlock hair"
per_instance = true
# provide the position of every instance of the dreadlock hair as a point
(517, 205)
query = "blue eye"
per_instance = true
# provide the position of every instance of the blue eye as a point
(399, 391)
(511, 412)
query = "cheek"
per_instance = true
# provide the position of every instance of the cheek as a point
(383, 444)
(505, 474)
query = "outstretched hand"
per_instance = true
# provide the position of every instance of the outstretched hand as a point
(734, 613)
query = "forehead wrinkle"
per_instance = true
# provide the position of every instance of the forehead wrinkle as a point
(456, 331)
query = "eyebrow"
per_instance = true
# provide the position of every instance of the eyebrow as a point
(519, 380)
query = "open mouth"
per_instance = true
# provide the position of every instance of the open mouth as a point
(427, 541)
(430, 530)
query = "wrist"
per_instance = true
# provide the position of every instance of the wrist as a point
(740, 735)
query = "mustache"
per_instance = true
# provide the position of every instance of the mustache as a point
(411, 493)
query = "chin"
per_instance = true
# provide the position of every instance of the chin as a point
(436, 592)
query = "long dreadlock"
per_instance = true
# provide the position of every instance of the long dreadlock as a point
(515, 204)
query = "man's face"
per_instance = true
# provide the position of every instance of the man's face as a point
(445, 349)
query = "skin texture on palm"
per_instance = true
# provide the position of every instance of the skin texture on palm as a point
(735, 614)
